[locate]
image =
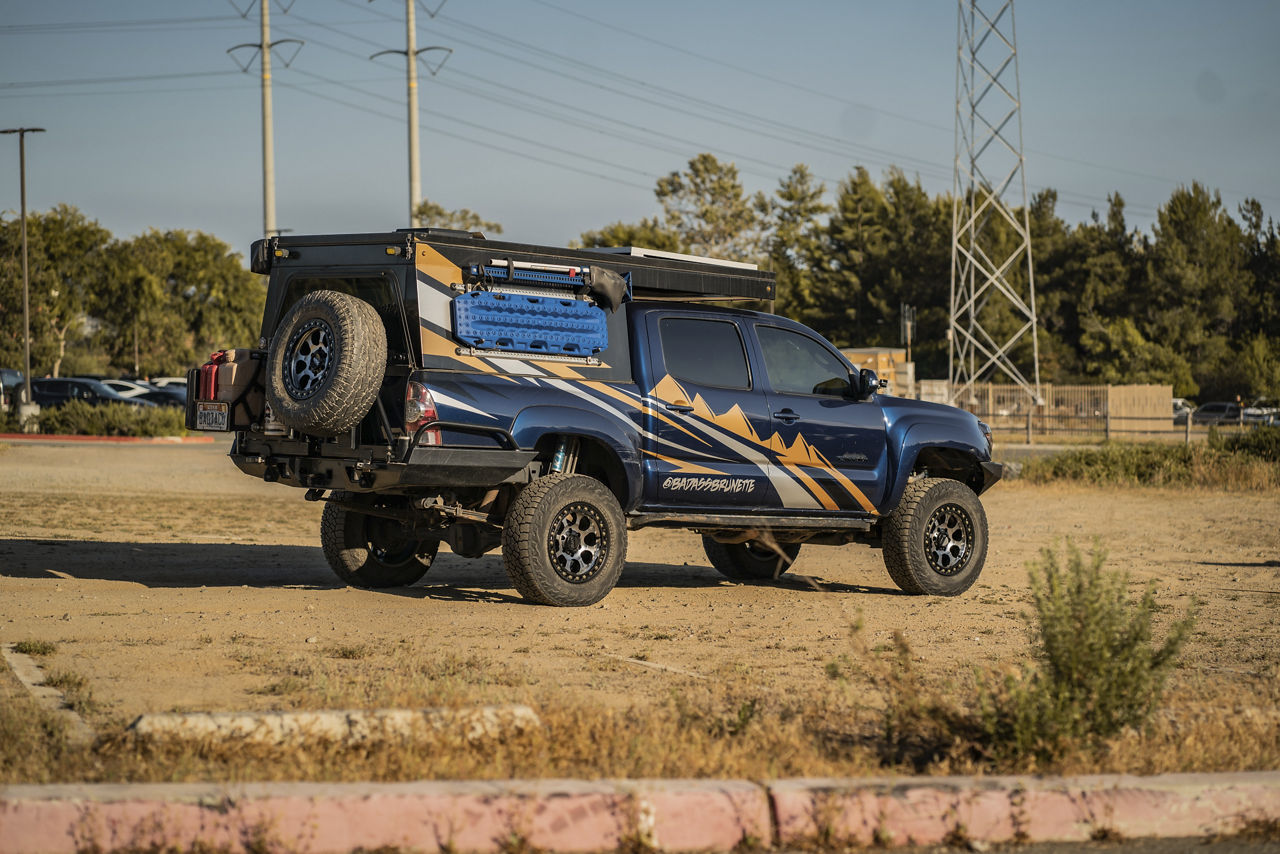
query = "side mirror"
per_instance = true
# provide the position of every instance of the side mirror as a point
(869, 383)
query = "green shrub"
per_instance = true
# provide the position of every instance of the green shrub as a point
(78, 418)
(1096, 670)
(1263, 443)
(1241, 461)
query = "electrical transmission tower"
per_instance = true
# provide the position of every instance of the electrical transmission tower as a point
(991, 242)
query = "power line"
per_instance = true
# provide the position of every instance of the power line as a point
(84, 81)
(467, 139)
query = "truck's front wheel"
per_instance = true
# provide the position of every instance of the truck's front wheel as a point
(935, 540)
(372, 551)
(564, 541)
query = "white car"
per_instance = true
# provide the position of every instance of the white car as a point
(170, 382)
(128, 388)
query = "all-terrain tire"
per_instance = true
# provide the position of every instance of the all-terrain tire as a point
(935, 540)
(564, 541)
(325, 364)
(372, 551)
(749, 561)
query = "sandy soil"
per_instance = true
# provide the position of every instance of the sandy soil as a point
(173, 582)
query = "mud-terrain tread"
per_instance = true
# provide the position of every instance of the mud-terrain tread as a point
(732, 560)
(360, 361)
(522, 539)
(900, 528)
(345, 562)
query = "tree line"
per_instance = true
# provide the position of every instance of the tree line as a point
(1195, 304)
(152, 305)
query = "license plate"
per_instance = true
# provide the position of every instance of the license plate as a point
(211, 415)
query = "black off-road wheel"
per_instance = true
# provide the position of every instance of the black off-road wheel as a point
(750, 561)
(935, 541)
(326, 363)
(564, 541)
(373, 551)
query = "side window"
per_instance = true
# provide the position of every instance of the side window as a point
(797, 364)
(706, 352)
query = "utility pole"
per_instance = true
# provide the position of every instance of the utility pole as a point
(264, 46)
(26, 281)
(411, 53)
(989, 163)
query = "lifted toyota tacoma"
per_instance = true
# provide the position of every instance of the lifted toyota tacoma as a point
(431, 386)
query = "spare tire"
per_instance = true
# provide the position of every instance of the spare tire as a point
(326, 363)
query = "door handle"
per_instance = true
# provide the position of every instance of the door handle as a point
(679, 406)
(787, 416)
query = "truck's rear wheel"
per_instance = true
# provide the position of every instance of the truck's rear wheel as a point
(935, 541)
(326, 363)
(750, 561)
(373, 551)
(564, 541)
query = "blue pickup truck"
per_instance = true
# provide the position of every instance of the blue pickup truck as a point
(432, 386)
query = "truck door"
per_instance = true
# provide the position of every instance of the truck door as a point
(834, 445)
(704, 418)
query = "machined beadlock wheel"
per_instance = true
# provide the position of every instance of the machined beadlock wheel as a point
(326, 363)
(750, 561)
(935, 541)
(364, 550)
(564, 541)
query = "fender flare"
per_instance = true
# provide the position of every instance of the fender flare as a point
(923, 435)
(533, 423)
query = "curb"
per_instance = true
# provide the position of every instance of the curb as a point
(136, 440)
(660, 815)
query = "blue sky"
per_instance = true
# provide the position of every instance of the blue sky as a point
(557, 116)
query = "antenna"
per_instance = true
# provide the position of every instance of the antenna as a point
(989, 166)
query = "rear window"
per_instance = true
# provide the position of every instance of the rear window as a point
(705, 352)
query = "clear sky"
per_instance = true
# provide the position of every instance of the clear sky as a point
(557, 116)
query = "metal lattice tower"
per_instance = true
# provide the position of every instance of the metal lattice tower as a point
(991, 243)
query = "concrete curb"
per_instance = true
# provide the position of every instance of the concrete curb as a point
(662, 815)
(134, 440)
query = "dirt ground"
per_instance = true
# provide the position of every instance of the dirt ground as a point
(171, 581)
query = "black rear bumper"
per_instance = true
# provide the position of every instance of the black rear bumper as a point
(427, 467)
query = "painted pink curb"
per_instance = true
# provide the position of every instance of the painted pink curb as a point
(137, 440)
(923, 811)
(665, 815)
(553, 815)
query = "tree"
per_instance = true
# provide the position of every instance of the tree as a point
(797, 243)
(173, 297)
(432, 215)
(64, 261)
(707, 208)
(648, 233)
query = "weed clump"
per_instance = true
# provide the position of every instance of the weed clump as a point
(1097, 670)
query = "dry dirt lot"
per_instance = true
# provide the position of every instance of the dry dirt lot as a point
(173, 582)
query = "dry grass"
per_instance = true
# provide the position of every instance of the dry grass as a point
(876, 715)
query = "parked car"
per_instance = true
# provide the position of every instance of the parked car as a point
(10, 379)
(57, 391)
(167, 396)
(167, 382)
(430, 386)
(1218, 412)
(1181, 409)
(1264, 410)
(128, 388)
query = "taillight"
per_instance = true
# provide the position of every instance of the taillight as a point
(420, 410)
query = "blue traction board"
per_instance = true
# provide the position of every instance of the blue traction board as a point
(527, 324)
